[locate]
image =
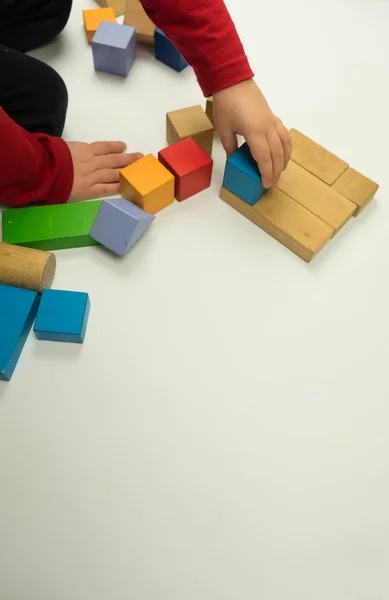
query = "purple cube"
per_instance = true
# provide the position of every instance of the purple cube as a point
(119, 224)
(114, 48)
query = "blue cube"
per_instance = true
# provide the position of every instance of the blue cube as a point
(114, 48)
(242, 177)
(62, 316)
(18, 309)
(119, 224)
(167, 53)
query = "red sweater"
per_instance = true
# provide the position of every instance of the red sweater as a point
(38, 168)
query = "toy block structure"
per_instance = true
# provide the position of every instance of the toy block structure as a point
(62, 316)
(148, 184)
(241, 176)
(167, 53)
(190, 122)
(26, 268)
(119, 224)
(114, 48)
(209, 109)
(18, 308)
(119, 6)
(135, 16)
(190, 165)
(51, 227)
(93, 18)
(314, 198)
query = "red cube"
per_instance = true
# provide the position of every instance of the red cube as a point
(190, 165)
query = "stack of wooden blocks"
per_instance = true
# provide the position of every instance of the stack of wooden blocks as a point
(314, 198)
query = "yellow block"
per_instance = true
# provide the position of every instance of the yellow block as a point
(316, 159)
(190, 122)
(316, 196)
(285, 220)
(356, 187)
(93, 18)
(148, 184)
(135, 16)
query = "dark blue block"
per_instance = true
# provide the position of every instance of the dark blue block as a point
(241, 176)
(114, 48)
(167, 53)
(62, 316)
(17, 313)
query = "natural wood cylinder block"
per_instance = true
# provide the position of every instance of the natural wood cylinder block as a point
(26, 268)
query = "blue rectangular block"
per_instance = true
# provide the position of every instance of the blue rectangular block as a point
(242, 177)
(167, 53)
(114, 48)
(18, 309)
(62, 316)
(119, 224)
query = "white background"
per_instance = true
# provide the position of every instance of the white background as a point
(223, 432)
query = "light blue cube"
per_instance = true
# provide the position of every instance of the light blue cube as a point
(114, 48)
(119, 224)
(62, 316)
(167, 53)
(18, 309)
(242, 177)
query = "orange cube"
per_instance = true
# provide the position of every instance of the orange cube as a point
(93, 18)
(148, 184)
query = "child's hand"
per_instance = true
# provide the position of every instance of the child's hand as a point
(242, 109)
(96, 168)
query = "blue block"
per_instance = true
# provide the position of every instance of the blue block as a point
(17, 313)
(62, 316)
(241, 176)
(114, 48)
(167, 53)
(119, 224)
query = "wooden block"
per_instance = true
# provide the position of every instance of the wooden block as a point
(356, 187)
(315, 195)
(190, 122)
(119, 224)
(242, 177)
(136, 17)
(26, 268)
(315, 159)
(209, 109)
(190, 165)
(51, 227)
(93, 18)
(62, 316)
(167, 53)
(114, 48)
(285, 220)
(18, 309)
(148, 184)
(119, 6)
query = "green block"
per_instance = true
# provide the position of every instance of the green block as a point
(51, 227)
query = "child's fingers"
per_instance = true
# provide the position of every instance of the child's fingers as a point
(106, 176)
(104, 189)
(261, 152)
(285, 141)
(277, 154)
(115, 161)
(101, 148)
(229, 141)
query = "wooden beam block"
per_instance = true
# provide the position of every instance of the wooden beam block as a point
(316, 196)
(135, 16)
(190, 122)
(62, 316)
(93, 18)
(356, 187)
(285, 220)
(148, 184)
(209, 109)
(119, 6)
(51, 227)
(316, 159)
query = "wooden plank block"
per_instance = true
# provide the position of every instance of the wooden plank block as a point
(285, 220)
(51, 227)
(316, 196)
(119, 6)
(135, 16)
(356, 187)
(18, 309)
(316, 159)
(190, 122)
(62, 316)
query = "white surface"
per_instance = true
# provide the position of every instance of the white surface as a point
(223, 432)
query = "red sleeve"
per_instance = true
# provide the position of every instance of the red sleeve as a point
(34, 168)
(203, 31)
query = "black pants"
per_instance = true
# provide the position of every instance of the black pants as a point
(31, 92)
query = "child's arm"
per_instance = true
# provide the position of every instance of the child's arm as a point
(202, 30)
